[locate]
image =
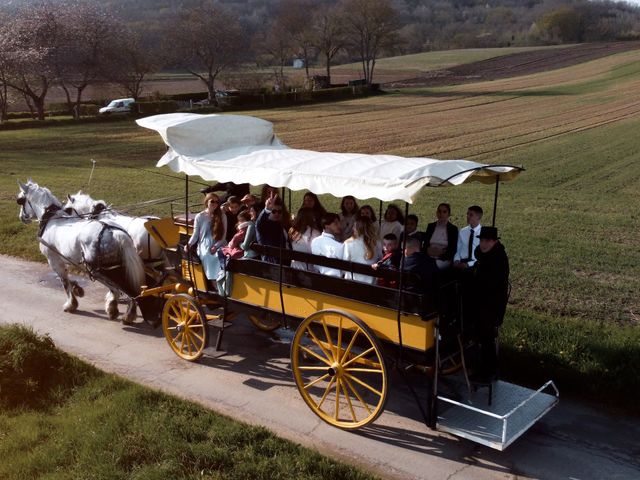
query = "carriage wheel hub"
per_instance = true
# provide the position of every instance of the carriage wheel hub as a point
(334, 370)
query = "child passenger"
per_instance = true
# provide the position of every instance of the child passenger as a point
(390, 259)
(239, 245)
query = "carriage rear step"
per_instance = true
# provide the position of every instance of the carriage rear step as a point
(511, 412)
(216, 321)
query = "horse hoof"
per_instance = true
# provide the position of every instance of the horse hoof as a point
(127, 322)
(70, 308)
(78, 291)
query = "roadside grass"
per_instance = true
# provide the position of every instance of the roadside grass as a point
(569, 222)
(106, 427)
(587, 360)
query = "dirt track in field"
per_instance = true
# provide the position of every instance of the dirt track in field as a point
(516, 64)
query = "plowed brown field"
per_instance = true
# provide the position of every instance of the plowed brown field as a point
(516, 64)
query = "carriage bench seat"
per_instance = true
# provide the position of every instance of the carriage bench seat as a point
(423, 304)
(181, 220)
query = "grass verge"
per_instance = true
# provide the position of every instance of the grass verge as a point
(587, 360)
(104, 427)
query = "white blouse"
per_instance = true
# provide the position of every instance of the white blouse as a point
(355, 251)
(303, 244)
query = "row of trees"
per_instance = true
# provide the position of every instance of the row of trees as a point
(71, 44)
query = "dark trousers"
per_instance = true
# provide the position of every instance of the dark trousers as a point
(487, 364)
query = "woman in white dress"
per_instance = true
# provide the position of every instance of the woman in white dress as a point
(366, 211)
(348, 213)
(301, 233)
(209, 232)
(393, 222)
(363, 247)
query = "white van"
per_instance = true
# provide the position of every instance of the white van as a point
(121, 105)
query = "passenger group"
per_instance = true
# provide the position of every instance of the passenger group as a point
(228, 230)
(472, 255)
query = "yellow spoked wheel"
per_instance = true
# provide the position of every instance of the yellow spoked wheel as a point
(184, 324)
(339, 369)
(451, 363)
(266, 321)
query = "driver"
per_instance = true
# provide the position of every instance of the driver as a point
(489, 292)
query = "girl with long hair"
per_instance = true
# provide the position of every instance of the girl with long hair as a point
(393, 222)
(348, 213)
(301, 233)
(209, 232)
(364, 246)
(311, 200)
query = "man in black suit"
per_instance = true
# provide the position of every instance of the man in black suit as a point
(231, 190)
(488, 290)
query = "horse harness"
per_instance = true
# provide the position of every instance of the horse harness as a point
(50, 212)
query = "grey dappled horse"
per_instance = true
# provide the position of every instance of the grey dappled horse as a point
(106, 252)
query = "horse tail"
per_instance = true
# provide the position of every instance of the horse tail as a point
(131, 261)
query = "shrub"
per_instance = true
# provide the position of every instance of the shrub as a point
(153, 108)
(185, 97)
(33, 373)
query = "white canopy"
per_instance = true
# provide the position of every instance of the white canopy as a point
(243, 149)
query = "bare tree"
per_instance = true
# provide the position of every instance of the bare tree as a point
(87, 34)
(207, 41)
(294, 19)
(131, 60)
(329, 34)
(275, 49)
(28, 43)
(372, 26)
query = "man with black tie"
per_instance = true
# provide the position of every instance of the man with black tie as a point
(467, 239)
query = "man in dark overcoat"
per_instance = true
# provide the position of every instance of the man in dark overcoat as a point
(489, 290)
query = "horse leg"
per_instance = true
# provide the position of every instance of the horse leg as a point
(59, 267)
(111, 304)
(131, 313)
(78, 291)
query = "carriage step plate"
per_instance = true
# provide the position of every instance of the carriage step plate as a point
(218, 323)
(512, 411)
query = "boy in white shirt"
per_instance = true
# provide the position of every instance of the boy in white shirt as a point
(327, 245)
(468, 239)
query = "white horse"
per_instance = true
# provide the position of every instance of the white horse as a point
(105, 251)
(148, 249)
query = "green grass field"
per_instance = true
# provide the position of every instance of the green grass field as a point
(80, 423)
(569, 222)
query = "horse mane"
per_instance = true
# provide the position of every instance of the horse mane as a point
(83, 204)
(31, 185)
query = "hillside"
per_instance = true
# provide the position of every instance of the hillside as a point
(426, 25)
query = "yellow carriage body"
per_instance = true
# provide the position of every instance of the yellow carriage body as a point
(264, 293)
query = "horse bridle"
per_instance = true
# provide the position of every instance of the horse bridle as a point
(22, 201)
(49, 212)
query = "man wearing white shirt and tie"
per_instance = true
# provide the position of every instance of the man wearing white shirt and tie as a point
(327, 245)
(467, 239)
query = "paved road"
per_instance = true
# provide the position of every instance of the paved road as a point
(253, 383)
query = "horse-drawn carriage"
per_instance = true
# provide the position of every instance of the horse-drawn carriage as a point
(347, 334)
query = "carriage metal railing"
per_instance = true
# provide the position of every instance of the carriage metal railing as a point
(498, 430)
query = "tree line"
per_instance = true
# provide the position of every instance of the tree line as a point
(72, 44)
